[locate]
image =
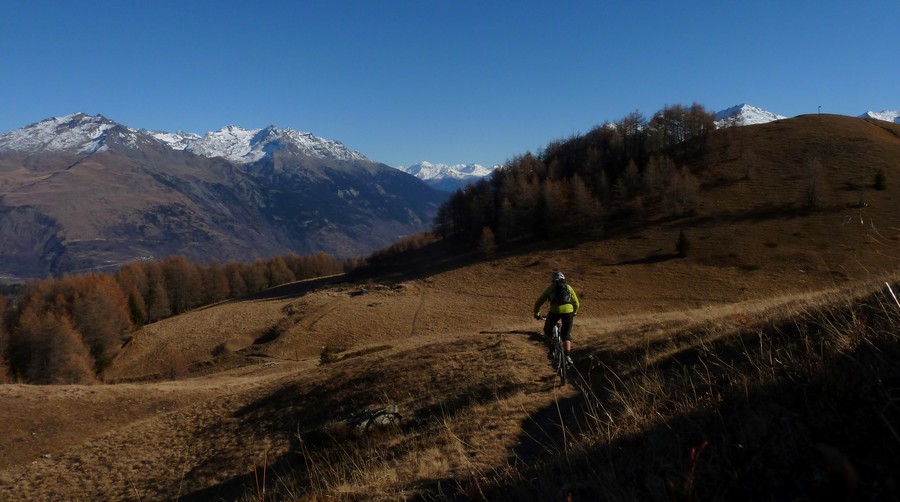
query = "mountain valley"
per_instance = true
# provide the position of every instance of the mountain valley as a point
(83, 193)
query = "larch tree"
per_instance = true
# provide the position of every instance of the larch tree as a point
(50, 350)
(101, 315)
(183, 284)
(157, 298)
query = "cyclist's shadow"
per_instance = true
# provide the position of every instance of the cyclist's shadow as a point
(534, 336)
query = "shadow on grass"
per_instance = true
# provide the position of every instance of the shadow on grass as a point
(737, 420)
(649, 260)
(310, 416)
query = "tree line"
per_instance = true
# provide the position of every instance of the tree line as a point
(68, 330)
(613, 175)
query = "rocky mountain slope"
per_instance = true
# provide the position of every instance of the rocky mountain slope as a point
(81, 192)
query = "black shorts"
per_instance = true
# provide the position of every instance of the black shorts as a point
(566, 332)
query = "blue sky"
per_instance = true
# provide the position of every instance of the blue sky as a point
(443, 81)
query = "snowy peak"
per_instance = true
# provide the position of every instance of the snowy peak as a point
(176, 140)
(245, 146)
(447, 177)
(77, 132)
(886, 115)
(426, 171)
(745, 114)
(86, 134)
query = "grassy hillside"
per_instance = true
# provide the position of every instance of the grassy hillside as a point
(759, 366)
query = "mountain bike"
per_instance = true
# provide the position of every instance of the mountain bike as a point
(558, 354)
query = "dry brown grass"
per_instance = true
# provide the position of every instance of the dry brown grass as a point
(796, 406)
(741, 346)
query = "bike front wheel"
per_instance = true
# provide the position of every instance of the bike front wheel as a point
(562, 366)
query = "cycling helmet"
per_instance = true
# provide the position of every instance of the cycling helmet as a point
(557, 277)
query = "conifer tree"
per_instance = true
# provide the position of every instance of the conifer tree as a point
(50, 351)
(157, 299)
(584, 214)
(100, 314)
(278, 272)
(215, 284)
(236, 284)
(183, 284)
(254, 276)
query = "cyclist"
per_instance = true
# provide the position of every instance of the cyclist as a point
(563, 305)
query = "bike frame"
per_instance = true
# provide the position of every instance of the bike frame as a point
(559, 355)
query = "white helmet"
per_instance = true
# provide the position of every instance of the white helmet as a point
(557, 277)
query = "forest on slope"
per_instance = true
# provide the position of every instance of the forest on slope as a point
(68, 330)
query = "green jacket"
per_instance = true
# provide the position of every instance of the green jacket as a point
(566, 308)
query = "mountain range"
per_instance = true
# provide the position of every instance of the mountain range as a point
(83, 192)
(446, 177)
(82, 133)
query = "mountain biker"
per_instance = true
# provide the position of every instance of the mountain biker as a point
(562, 306)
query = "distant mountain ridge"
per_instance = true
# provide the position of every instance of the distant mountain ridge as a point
(82, 192)
(250, 145)
(447, 177)
(86, 133)
(745, 114)
(886, 115)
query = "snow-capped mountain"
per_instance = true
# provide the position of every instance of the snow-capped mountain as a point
(83, 192)
(77, 132)
(83, 133)
(245, 146)
(886, 115)
(745, 114)
(447, 177)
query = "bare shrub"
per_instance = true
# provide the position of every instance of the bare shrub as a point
(487, 244)
(177, 365)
